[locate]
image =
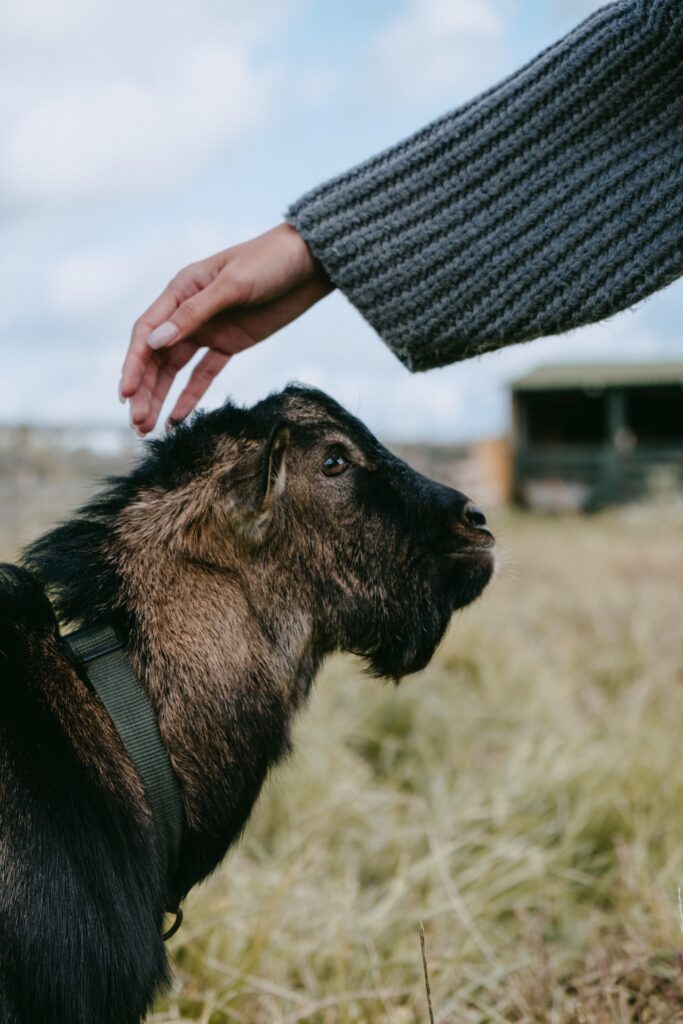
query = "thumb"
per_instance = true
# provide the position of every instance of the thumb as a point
(191, 315)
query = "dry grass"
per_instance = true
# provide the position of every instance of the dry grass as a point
(523, 798)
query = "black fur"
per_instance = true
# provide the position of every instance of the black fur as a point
(81, 897)
(376, 561)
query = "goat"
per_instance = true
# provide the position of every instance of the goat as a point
(244, 548)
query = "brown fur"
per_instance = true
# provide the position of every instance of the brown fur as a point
(233, 562)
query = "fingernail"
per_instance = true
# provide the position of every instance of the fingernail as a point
(122, 400)
(133, 426)
(162, 334)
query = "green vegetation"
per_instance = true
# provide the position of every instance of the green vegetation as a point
(523, 798)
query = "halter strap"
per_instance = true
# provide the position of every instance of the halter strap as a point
(101, 655)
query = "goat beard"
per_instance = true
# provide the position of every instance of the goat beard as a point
(401, 639)
(401, 645)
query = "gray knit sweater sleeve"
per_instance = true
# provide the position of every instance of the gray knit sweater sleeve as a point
(552, 200)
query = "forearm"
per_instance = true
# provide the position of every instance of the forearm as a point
(553, 200)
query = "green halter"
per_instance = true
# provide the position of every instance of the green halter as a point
(100, 654)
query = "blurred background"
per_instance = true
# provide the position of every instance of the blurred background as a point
(523, 796)
(135, 138)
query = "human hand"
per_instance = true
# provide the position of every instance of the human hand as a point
(225, 303)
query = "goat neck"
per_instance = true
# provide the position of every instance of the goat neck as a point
(227, 656)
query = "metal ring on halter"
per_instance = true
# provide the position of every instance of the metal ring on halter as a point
(175, 926)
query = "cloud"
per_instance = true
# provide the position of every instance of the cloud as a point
(127, 137)
(89, 285)
(438, 47)
(52, 285)
(108, 100)
(100, 100)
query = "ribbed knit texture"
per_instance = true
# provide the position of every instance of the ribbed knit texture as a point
(552, 200)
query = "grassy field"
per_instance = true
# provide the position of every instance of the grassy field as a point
(523, 797)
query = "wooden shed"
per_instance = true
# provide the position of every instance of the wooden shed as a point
(589, 435)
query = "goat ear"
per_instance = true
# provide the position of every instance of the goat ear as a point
(275, 468)
(255, 485)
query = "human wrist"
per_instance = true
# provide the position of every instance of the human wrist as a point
(308, 267)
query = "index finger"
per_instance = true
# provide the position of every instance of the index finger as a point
(139, 353)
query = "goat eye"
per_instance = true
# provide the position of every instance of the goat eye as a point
(335, 465)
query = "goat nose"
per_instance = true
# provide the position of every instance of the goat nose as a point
(474, 516)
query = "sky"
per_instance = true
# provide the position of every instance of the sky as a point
(137, 137)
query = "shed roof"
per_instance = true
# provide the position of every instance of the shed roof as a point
(599, 375)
